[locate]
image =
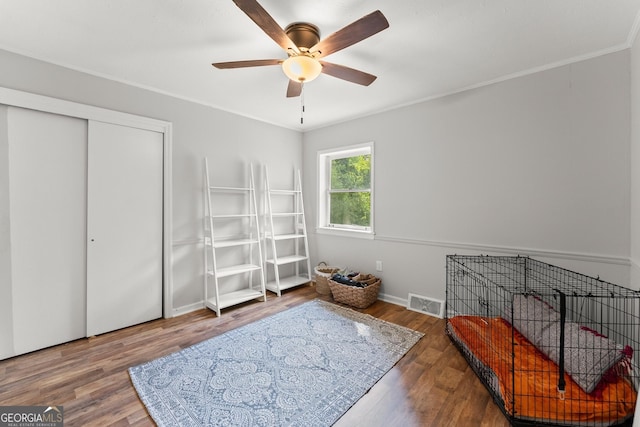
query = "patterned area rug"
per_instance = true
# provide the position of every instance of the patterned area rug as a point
(305, 366)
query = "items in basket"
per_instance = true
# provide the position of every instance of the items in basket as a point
(347, 280)
(356, 296)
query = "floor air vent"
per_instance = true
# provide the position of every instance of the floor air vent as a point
(430, 306)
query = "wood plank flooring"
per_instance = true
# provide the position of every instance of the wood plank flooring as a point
(431, 386)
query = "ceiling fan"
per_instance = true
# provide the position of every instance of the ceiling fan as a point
(301, 41)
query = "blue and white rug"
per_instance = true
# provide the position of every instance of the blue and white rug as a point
(305, 366)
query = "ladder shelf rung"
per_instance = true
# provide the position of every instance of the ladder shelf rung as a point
(234, 269)
(284, 236)
(238, 189)
(287, 259)
(229, 216)
(284, 192)
(232, 298)
(234, 242)
(287, 282)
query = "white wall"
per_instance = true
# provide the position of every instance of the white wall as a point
(534, 165)
(229, 141)
(6, 309)
(635, 163)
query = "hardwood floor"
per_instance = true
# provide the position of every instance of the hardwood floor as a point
(431, 386)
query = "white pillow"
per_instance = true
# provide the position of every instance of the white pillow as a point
(587, 355)
(531, 316)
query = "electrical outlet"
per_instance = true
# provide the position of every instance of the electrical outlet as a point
(378, 265)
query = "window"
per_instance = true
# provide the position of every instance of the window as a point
(345, 190)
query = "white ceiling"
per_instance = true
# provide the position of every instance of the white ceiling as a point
(431, 48)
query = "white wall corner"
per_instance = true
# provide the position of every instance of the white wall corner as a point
(633, 32)
(634, 274)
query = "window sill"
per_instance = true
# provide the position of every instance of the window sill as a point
(342, 232)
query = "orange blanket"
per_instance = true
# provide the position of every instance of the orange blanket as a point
(529, 390)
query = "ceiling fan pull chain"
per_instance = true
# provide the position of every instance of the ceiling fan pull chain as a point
(302, 103)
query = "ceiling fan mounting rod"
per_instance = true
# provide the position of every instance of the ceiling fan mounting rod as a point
(302, 53)
(303, 34)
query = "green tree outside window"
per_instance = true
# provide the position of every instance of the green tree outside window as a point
(350, 192)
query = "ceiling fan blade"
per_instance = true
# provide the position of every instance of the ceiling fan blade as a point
(262, 18)
(294, 89)
(348, 74)
(351, 34)
(250, 63)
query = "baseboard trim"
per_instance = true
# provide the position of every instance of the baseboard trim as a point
(188, 308)
(392, 299)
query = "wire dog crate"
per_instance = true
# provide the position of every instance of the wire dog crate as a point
(552, 346)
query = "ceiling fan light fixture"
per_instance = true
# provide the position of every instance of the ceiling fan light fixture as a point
(301, 68)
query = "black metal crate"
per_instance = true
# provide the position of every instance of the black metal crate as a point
(520, 322)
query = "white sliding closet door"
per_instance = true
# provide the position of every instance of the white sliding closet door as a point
(47, 205)
(124, 230)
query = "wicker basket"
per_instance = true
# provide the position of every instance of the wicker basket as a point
(354, 296)
(323, 274)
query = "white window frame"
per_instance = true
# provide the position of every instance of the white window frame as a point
(324, 180)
